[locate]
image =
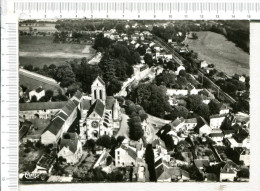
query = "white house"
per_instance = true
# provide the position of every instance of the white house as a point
(203, 64)
(216, 121)
(227, 173)
(217, 137)
(125, 156)
(70, 148)
(38, 93)
(190, 124)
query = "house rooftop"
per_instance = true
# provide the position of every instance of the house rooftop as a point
(201, 163)
(41, 105)
(217, 116)
(39, 89)
(216, 135)
(130, 151)
(70, 140)
(191, 120)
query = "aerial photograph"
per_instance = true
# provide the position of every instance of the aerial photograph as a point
(104, 100)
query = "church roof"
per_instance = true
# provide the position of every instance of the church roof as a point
(86, 104)
(98, 107)
(110, 100)
(101, 81)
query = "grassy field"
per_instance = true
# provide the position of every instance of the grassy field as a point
(32, 84)
(217, 50)
(41, 50)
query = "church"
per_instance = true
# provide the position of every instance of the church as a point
(100, 114)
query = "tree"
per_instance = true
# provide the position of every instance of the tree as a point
(149, 159)
(203, 110)
(135, 128)
(34, 98)
(104, 141)
(29, 67)
(182, 73)
(167, 79)
(48, 94)
(193, 101)
(65, 75)
(179, 111)
(152, 98)
(148, 59)
(113, 87)
(214, 106)
(91, 144)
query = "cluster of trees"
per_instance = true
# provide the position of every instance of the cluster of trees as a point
(137, 116)
(84, 25)
(74, 37)
(170, 32)
(106, 141)
(230, 86)
(152, 98)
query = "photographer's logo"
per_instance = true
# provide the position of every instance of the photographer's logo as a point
(31, 176)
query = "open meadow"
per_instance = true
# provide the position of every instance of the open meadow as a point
(217, 50)
(39, 50)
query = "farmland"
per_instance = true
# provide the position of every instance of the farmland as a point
(217, 50)
(39, 50)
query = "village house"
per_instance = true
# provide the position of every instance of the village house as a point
(203, 64)
(178, 124)
(125, 156)
(202, 127)
(62, 121)
(42, 110)
(227, 173)
(190, 124)
(38, 93)
(224, 109)
(231, 142)
(242, 155)
(141, 70)
(216, 121)
(70, 148)
(217, 137)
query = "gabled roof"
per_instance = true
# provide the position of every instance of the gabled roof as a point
(69, 107)
(71, 142)
(98, 107)
(41, 105)
(39, 89)
(216, 135)
(55, 126)
(78, 94)
(201, 163)
(100, 80)
(86, 104)
(192, 120)
(177, 121)
(130, 152)
(110, 100)
(227, 169)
